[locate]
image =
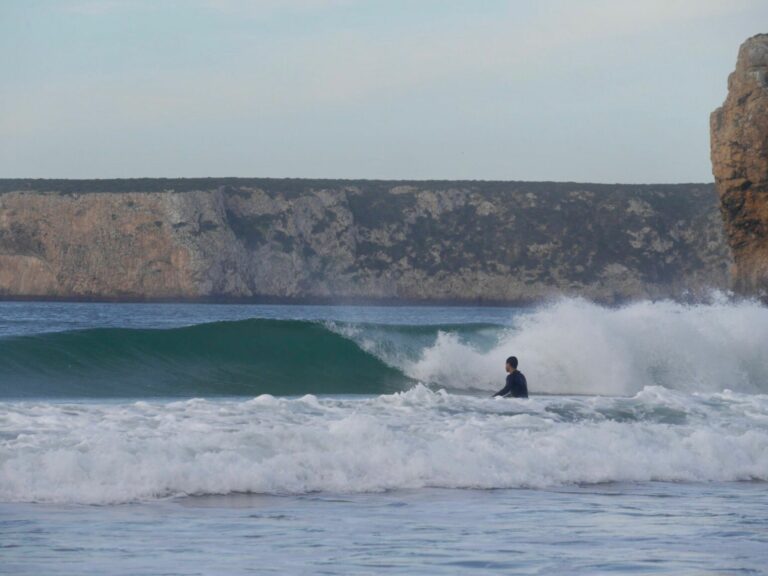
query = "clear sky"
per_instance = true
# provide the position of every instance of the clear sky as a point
(582, 90)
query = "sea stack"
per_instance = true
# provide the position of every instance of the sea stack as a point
(739, 139)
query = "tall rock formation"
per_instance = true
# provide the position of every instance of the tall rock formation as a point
(336, 240)
(739, 130)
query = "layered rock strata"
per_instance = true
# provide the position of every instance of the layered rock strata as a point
(357, 240)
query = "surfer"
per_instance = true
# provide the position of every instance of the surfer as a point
(517, 386)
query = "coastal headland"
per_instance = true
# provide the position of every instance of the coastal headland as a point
(242, 239)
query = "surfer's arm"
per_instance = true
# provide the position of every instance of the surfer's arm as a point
(506, 390)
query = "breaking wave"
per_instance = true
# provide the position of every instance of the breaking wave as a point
(569, 347)
(578, 347)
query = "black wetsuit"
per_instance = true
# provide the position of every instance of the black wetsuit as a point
(517, 386)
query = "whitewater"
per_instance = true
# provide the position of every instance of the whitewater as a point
(111, 454)
(249, 428)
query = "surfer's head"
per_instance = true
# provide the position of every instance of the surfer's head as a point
(511, 363)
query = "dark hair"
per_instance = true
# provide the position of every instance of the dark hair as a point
(512, 361)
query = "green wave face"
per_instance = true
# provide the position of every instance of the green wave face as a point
(249, 357)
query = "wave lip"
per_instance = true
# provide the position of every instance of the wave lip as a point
(109, 453)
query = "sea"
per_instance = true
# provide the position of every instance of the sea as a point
(207, 439)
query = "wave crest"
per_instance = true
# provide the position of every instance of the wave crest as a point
(577, 347)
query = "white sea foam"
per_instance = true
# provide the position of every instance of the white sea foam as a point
(107, 453)
(577, 347)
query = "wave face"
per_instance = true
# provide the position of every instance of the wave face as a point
(107, 453)
(569, 347)
(248, 357)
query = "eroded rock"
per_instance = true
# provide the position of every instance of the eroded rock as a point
(739, 139)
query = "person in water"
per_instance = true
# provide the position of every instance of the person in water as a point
(517, 386)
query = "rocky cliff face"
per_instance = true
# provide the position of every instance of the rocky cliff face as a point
(740, 164)
(357, 240)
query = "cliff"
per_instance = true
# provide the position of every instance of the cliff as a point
(357, 240)
(739, 141)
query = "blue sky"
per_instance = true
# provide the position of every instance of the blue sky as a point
(580, 90)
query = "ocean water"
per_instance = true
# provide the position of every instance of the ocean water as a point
(245, 439)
